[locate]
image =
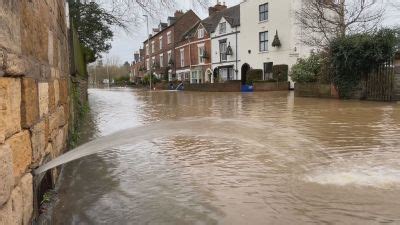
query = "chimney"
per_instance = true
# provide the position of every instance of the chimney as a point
(171, 20)
(178, 13)
(217, 8)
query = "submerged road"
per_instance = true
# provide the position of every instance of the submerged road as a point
(282, 160)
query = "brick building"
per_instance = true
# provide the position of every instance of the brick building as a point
(160, 47)
(193, 52)
(138, 67)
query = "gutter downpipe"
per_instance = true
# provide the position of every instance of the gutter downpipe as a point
(237, 70)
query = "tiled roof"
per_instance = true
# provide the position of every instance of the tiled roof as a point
(232, 15)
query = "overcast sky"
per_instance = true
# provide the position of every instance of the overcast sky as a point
(125, 44)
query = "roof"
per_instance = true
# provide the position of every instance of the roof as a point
(175, 22)
(232, 16)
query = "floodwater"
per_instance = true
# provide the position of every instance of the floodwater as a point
(254, 158)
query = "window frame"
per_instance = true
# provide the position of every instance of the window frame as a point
(222, 55)
(264, 42)
(263, 15)
(161, 60)
(200, 33)
(201, 49)
(169, 56)
(169, 37)
(182, 57)
(222, 31)
(267, 75)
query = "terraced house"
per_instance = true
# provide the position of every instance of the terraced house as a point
(270, 35)
(138, 67)
(160, 46)
(193, 53)
(225, 36)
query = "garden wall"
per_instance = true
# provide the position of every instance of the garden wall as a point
(34, 100)
(271, 86)
(232, 86)
(315, 90)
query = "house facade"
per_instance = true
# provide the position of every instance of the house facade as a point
(138, 67)
(225, 38)
(160, 47)
(193, 53)
(264, 21)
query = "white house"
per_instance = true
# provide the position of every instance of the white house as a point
(262, 21)
(225, 57)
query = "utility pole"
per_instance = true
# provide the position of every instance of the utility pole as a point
(148, 44)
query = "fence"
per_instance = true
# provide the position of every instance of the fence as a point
(379, 86)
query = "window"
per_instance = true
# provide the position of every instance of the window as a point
(226, 73)
(182, 57)
(222, 50)
(263, 12)
(268, 71)
(201, 54)
(194, 78)
(148, 64)
(200, 33)
(152, 47)
(147, 49)
(169, 56)
(169, 38)
(161, 44)
(264, 41)
(222, 28)
(161, 60)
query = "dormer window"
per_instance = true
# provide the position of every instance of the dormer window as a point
(222, 28)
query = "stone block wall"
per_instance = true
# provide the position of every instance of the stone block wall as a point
(34, 102)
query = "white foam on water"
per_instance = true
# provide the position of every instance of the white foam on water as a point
(380, 177)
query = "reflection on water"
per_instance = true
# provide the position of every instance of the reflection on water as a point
(282, 160)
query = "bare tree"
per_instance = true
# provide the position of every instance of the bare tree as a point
(131, 11)
(324, 20)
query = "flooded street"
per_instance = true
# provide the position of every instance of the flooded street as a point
(278, 160)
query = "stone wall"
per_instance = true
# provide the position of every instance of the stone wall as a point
(34, 102)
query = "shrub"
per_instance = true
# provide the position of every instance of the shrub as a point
(154, 79)
(280, 72)
(355, 56)
(254, 75)
(307, 70)
(122, 80)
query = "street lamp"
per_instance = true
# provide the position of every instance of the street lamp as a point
(148, 43)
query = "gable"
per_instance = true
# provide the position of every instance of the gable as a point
(201, 27)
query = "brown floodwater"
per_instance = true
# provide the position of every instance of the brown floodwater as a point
(254, 158)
